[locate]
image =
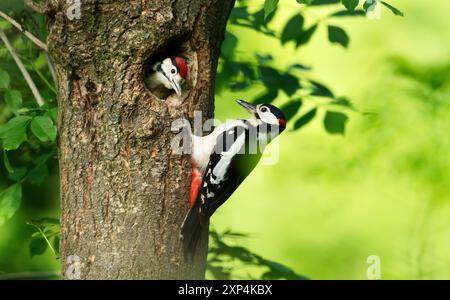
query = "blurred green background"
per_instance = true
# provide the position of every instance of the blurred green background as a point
(332, 200)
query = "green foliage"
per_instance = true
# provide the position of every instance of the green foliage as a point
(10, 199)
(338, 35)
(45, 235)
(14, 133)
(4, 79)
(350, 4)
(394, 10)
(269, 7)
(225, 257)
(43, 128)
(335, 122)
(28, 132)
(13, 100)
(240, 74)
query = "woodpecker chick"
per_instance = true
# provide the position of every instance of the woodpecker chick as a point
(169, 74)
(222, 160)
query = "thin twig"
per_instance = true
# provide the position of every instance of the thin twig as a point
(51, 67)
(37, 7)
(28, 34)
(22, 68)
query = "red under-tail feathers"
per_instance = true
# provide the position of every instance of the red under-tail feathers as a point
(196, 181)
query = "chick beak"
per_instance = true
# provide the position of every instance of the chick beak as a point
(176, 86)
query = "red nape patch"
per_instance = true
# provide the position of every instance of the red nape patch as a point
(196, 182)
(282, 122)
(182, 66)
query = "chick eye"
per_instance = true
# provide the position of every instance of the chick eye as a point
(173, 71)
(264, 109)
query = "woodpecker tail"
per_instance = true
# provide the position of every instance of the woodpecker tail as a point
(191, 232)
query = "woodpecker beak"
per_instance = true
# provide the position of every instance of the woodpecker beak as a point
(250, 107)
(176, 86)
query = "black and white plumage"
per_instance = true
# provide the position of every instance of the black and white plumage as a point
(167, 75)
(233, 150)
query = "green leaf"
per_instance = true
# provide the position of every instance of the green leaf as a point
(291, 108)
(322, 2)
(18, 173)
(53, 113)
(349, 13)
(9, 202)
(56, 246)
(4, 79)
(307, 2)
(5, 25)
(229, 45)
(13, 100)
(38, 174)
(269, 7)
(7, 163)
(350, 4)
(335, 122)
(269, 97)
(321, 90)
(306, 35)
(394, 10)
(293, 29)
(305, 119)
(338, 35)
(38, 246)
(43, 128)
(14, 133)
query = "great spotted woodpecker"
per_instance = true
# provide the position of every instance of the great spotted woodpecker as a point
(169, 74)
(222, 160)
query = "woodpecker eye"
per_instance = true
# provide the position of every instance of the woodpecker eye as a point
(173, 71)
(264, 109)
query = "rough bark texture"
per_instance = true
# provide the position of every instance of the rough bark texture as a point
(124, 193)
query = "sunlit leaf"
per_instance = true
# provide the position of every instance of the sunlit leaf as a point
(269, 7)
(43, 128)
(14, 133)
(10, 200)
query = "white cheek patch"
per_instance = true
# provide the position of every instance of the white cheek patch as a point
(269, 118)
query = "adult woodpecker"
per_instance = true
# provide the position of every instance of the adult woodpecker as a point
(222, 160)
(169, 74)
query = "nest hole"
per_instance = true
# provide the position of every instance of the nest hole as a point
(179, 47)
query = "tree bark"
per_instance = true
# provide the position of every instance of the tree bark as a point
(124, 193)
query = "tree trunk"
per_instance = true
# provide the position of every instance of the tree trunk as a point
(124, 193)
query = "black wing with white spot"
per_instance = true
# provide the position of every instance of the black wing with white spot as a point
(229, 165)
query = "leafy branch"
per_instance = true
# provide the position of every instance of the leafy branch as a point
(225, 257)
